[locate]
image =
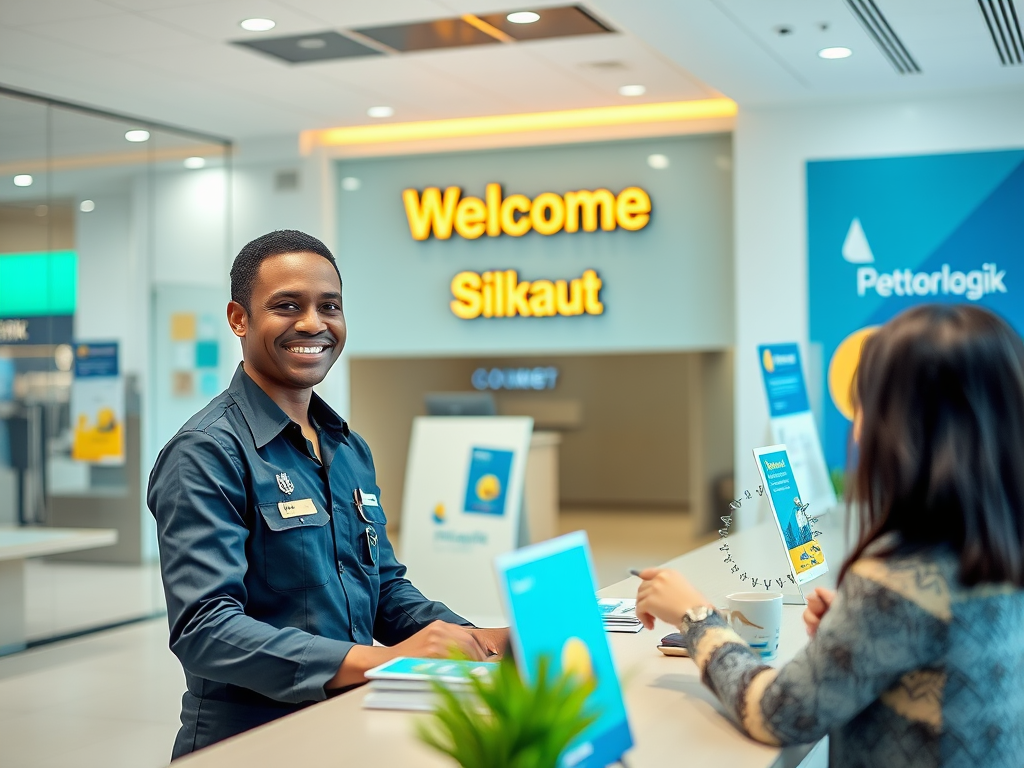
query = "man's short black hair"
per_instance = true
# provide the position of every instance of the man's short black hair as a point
(247, 263)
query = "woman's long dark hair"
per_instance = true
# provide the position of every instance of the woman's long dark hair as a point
(940, 396)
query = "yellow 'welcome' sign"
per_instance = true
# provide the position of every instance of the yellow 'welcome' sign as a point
(471, 217)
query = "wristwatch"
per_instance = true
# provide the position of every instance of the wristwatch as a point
(697, 613)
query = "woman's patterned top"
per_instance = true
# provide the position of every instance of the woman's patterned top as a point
(908, 668)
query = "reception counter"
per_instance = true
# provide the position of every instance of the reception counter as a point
(675, 720)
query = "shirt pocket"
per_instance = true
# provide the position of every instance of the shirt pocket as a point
(372, 524)
(297, 551)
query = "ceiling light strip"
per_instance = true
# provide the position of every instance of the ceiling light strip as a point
(1016, 26)
(1004, 28)
(1012, 26)
(992, 32)
(672, 111)
(487, 29)
(1002, 34)
(883, 35)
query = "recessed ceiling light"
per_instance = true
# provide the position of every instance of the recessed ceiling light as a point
(23, 180)
(87, 206)
(838, 52)
(137, 135)
(257, 25)
(351, 183)
(658, 162)
(194, 163)
(312, 43)
(523, 17)
(632, 90)
(380, 111)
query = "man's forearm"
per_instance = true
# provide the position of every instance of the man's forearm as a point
(357, 662)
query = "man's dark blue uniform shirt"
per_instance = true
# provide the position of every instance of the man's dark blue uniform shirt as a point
(263, 607)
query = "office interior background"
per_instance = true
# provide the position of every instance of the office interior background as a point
(143, 142)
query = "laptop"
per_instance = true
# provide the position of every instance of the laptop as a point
(549, 594)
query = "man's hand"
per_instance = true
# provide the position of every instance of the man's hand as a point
(818, 603)
(493, 640)
(665, 594)
(439, 640)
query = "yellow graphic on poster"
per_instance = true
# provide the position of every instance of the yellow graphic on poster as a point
(97, 405)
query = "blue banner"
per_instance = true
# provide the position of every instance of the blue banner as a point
(783, 379)
(891, 233)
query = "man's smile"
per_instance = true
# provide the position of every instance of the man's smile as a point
(316, 349)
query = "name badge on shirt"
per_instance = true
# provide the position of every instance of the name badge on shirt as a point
(369, 499)
(297, 508)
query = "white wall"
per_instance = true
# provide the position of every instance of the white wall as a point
(771, 146)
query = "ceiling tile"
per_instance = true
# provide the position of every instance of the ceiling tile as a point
(219, 21)
(122, 33)
(358, 13)
(17, 13)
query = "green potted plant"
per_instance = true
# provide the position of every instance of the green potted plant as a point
(505, 722)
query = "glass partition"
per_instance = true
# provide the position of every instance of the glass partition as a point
(94, 208)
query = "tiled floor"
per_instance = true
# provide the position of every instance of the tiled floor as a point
(105, 701)
(633, 538)
(111, 699)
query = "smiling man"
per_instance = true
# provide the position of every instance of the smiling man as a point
(276, 563)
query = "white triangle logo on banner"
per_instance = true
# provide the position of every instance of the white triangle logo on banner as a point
(855, 247)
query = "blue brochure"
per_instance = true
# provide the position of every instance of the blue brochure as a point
(487, 484)
(806, 558)
(549, 591)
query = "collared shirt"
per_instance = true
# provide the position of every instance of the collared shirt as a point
(263, 606)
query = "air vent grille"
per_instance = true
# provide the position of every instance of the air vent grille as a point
(1004, 26)
(879, 30)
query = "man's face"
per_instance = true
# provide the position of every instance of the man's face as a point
(295, 329)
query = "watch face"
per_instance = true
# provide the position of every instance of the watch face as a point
(697, 614)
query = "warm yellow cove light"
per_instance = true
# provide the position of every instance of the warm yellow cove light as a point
(672, 111)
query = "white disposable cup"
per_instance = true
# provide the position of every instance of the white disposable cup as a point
(757, 618)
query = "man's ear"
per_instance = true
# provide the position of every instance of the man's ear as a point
(238, 319)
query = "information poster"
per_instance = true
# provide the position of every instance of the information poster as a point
(97, 405)
(463, 506)
(549, 591)
(792, 422)
(806, 558)
(886, 234)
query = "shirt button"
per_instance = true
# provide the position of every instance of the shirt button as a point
(341, 568)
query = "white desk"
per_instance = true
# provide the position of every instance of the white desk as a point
(674, 718)
(18, 544)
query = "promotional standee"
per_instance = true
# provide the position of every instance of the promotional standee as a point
(97, 405)
(792, 423)
(549, 591)
(463, 506)
(806, 558)
(890, 233)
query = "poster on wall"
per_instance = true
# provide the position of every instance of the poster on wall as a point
(792, 422)
(890, 233)
(462, 506)
(97, 404)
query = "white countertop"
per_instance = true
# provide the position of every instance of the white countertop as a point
(20, 543)
(675, 720)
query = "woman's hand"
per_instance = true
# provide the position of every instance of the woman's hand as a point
(665, 594)
(818, 603)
